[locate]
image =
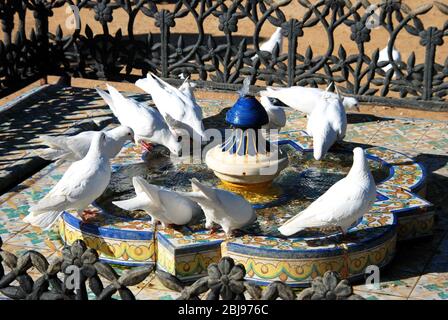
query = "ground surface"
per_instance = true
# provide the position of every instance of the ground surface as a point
(419, 270)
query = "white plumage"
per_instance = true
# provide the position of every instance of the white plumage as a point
(74, 148)
(277, 116)
(326, 124)
(342, 205)
(269, 45)
(162, 205)
(305, 99)
(187, 89)
(179, 104)
(224, 208)
(384, 56)
(83, 182)
(147, 123)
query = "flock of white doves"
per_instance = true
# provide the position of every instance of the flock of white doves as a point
(176, 108)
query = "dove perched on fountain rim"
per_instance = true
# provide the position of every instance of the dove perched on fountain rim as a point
(147, 123)
(269, 45)
(74, 148)
(305, 99)
(342, 205)
(83, 182)
(173, 102)
(326, 124)
(222, 207)
(166, 206)
(276, 114)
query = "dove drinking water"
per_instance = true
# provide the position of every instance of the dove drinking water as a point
(74, 148)
(83, 182)
(277, 116)
(341, 205)
(162, 205)
(147, 123)
(222, 207)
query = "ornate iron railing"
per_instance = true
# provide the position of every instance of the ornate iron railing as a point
(226, 59)
(66, 278)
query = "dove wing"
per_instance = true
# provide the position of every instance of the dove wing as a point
(335, 205)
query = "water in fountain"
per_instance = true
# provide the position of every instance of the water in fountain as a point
(294, 189)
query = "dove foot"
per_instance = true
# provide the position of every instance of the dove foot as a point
(88, 215)
(214, 230)
(232, 234)
(347, 237)
(147, 146)
(167, 225)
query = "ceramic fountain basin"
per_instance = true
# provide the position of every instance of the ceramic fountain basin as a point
(398, 214)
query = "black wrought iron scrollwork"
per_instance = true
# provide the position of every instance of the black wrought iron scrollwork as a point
(225, 281)
(66, 278)
(222, 57)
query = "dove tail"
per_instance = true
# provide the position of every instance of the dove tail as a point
(146, 84)
(52, 154)
(52, 142)
(289, 229)
(269, 92)
(57, 148)
(42, 220)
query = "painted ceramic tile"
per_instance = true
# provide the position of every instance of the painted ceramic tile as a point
(431, 287)
(396, 283)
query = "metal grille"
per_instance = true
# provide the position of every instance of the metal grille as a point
(225, 59)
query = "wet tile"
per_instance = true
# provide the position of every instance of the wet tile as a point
(431, 287)
(393, 282)
(377, 296)
(153, 294)
(36, 239)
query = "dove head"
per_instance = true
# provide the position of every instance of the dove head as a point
(174, 145)
(97, 146)
(360, 164)
(207, 193)
(350, 103)
(122, 133)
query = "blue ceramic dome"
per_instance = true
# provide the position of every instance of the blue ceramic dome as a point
(247, 112)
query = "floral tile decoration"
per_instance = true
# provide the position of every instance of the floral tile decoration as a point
(400, 154)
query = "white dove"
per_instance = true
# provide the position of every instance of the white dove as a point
(83, 182)
(305, 99)
(276, 38)
(224, 208)
(384, 56)
(175, 103)
(162, 205)
(74, 148)
(342, 205)
(277, 116)
(147, 123)
(187, 89)
(326, 124)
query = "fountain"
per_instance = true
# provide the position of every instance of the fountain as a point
(246, 161)
(130, 239)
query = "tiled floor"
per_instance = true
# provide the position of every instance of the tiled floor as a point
(419, 270)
